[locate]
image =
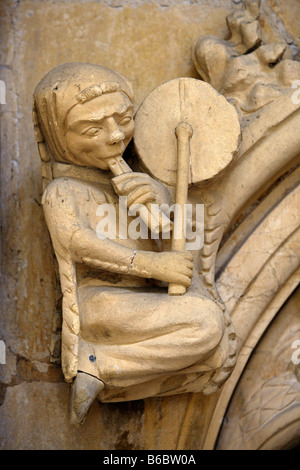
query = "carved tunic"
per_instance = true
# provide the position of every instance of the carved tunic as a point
(128, 336)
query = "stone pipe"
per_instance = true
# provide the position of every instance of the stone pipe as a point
(184, 132)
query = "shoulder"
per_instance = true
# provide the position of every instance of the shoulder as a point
(57, 189)
(71, 196)
(61, 204)
(62, 189)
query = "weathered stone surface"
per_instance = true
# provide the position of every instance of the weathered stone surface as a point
(157, 48)
(287, 11)
(35, 416)
(150, 42)
(8, 370)
(269, 391)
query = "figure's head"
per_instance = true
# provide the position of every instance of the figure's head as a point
(85, 113)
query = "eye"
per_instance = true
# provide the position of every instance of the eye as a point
(125, 120)
(92, 131)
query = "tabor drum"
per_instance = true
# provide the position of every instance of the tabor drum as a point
(215, 124)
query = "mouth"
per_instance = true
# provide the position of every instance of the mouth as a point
(115, 155)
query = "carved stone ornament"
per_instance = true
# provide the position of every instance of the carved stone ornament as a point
(142, 316)
(125, 334)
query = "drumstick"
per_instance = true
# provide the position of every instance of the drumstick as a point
(184, 132)
(118, 166)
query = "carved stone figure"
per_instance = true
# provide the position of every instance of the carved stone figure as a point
(248, 72)
(254, 275)
(123, 336)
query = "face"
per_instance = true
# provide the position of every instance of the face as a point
(99, 129)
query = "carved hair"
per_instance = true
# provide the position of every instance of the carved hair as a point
(97, 90)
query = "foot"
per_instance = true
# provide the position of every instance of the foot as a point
(84, 390)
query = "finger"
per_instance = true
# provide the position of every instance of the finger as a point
(185, 255)
(130, 186)
(125, 189)
(188, 256)
(184, 280)
(187, 272)
(126, 183)
(189, 264)
(119, 181)
(124, 177)
(185, 264)
(144, 200)
(135, 196)
(132, 175)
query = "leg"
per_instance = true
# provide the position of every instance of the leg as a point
(83, 392)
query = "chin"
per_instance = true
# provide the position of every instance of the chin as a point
(102, 166)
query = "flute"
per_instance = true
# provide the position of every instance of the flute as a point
(158, 223)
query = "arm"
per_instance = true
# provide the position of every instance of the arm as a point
(107, 254)
(75, 240)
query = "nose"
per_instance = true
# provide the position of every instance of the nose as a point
(116, 136)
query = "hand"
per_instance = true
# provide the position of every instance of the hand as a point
(140, 188)
(170, 266)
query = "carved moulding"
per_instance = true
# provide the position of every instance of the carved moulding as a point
(266, 401)
(248, 70)
(258, 271)
(261, 287)
(254, 209)
(123, 336)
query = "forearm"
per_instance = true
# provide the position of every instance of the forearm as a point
(109, 255)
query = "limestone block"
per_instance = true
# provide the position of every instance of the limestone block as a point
(34, 416)
(9, 369)
(266, 403)
(150, 42)
(287, 11)
(7, 33)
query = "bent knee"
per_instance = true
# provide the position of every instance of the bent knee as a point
(208, 330)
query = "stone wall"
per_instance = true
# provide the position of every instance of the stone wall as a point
(150, 43)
